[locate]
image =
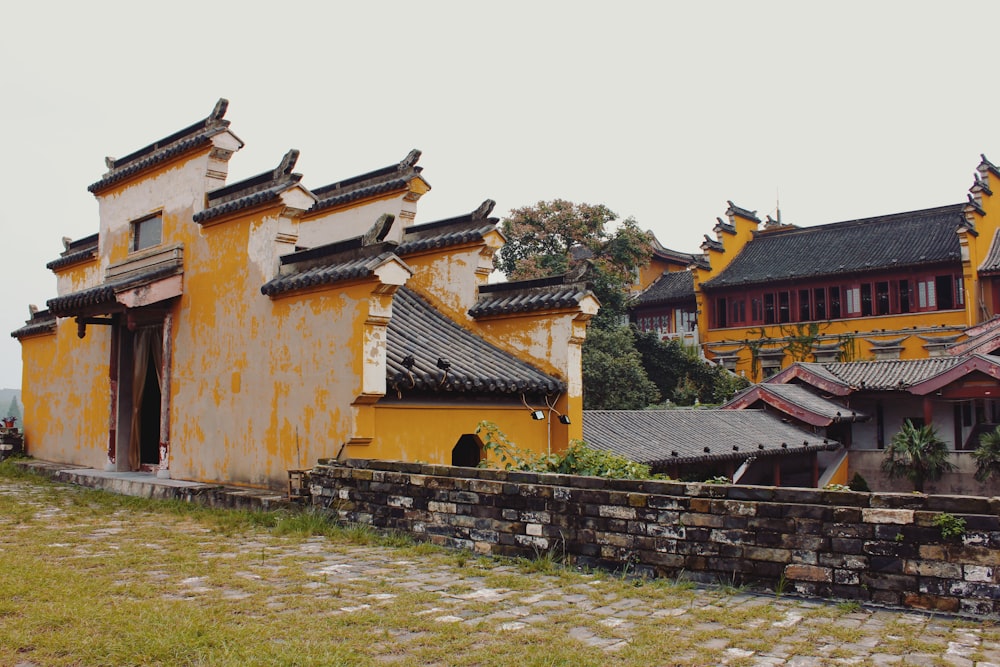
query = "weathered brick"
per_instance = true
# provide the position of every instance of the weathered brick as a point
(700, 505)
(533, 529)
(734, 508)
(615, 539)
(801, 572)
(486, 486)
(846, 514)
(637, 500)
(672, 531)
(843, 561)
(730, 536)
(447, 508)
(399, 501)
(931, 602)
(535, 517)
(532, 541)
(846, 577)
(891, 582)
(704, 520)
(765, 554)
(931, 568)
(616, 512)
(981, 573)
(664, 503)
(895, 516)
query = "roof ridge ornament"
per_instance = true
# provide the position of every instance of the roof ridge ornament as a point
(378, 231)
(284, 168)
(218, 111)
(484, 210)
(410, 160)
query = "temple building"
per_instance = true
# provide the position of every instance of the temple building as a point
(766, 294)
(231, 332)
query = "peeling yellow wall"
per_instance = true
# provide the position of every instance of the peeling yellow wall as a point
(65, 390)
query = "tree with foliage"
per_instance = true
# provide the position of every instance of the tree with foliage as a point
(918, 454)
(987, 456)
(613, 376)
(14, 410)
(554, 237)
(683, 377)
(558, 236)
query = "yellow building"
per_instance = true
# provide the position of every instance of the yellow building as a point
(900, 286)
(229, 333)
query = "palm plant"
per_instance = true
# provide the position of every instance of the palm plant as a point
(987, 456)
(918, 454)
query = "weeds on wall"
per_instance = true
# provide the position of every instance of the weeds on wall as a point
(578, 459)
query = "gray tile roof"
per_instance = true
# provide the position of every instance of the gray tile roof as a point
(253, 191)
(42, 321)
(328, 264)
(104, 294)
(78, 251)
(983, 338)
(421, 342)
(525, 296)
(670, 287)
(662, 252)
(193, 136)
(802, 397)
(991, 265)
(664, 437)
(453, 231)
(883, 242)
(380, 181)
(888, 375)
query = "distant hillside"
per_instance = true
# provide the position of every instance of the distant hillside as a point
(5, 396)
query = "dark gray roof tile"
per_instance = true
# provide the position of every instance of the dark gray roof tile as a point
(78, 251)
(104, 294)
(371, 184)
(525, 296)
(670, 287)
(42, 321)
(314, 270)
(886, 375)
(250, 192)
(421, 341)
(194, 136)
(890, 241)
(991, 265)
(663, 437)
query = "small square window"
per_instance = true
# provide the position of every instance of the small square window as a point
(147, 232)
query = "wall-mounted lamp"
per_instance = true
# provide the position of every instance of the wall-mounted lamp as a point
(537, 415)
(564, 419)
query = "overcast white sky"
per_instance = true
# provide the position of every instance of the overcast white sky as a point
(660, 110)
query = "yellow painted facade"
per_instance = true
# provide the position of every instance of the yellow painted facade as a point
(249, 385)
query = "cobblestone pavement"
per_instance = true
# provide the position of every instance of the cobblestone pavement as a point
(614, 621)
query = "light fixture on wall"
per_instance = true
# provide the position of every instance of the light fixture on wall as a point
(536, 414)
(563, 419)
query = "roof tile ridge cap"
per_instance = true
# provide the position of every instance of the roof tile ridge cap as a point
(406, 166)
(279, 176)
(208, 126)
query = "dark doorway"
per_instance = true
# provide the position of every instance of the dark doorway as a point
(467, 452)
(149, 418)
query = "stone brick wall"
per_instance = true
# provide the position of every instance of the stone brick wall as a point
(877, 547)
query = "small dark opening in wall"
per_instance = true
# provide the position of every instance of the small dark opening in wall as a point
(467, 451)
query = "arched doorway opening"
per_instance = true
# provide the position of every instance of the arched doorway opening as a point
(467, 452)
